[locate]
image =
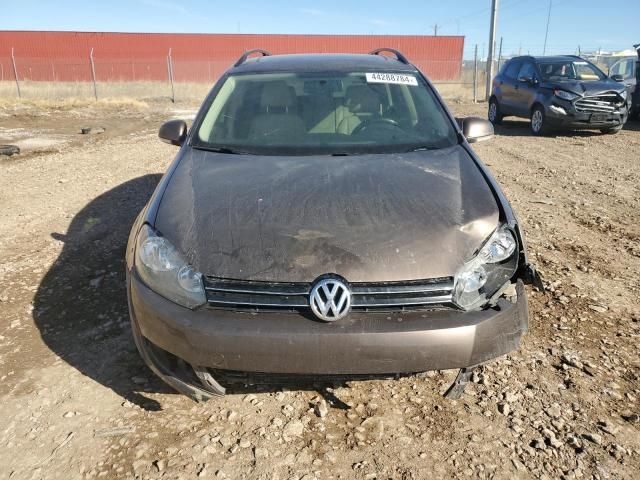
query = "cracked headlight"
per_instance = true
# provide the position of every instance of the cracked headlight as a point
(563, 94)
(490, 270)
(165, 271)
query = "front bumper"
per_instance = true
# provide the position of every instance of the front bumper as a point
(291, 343)
(573, 119)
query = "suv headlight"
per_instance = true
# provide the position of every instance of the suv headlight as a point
(563, 94)
(166, 272)
(493, 266)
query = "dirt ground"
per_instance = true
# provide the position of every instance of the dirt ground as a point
(78, 402)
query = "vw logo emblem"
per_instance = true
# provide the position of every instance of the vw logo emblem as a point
(330, 299)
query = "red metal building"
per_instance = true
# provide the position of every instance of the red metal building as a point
(64, 56)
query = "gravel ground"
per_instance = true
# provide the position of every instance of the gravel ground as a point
(78, 402)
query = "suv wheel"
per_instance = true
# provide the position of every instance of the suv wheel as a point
(494, 114)
(538, 122)
(612, 130)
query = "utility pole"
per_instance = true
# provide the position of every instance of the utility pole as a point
(15, 72)
(435, 29)
(93, 74)
(546, 33)
(492, 36)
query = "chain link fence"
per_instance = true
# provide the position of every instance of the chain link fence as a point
(178, 79)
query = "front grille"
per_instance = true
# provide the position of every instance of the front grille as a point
(428, 294)
(603, 103)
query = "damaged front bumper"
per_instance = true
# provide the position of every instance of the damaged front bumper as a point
(172, 340)
(562, 114)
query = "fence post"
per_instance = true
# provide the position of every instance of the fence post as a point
(475, 75)
(499, 54)
(15, 72)
(170, 73)
(93, 74)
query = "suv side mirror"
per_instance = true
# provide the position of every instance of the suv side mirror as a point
(477, 129)
(173, 132)
(617, 77)
(527, 79)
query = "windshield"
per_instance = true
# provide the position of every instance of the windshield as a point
(336, 113)
(570, 71)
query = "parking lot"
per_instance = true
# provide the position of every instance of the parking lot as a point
(78, 401)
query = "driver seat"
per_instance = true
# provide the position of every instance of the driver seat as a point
(362, 104)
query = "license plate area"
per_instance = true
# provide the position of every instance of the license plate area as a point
(599, 117)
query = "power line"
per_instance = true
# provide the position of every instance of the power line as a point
(546, 33)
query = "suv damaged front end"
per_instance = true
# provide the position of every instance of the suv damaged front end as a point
(572, 110)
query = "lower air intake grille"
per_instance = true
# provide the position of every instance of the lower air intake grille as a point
(428, 294)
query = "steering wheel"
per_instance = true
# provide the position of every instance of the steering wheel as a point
(368, 123)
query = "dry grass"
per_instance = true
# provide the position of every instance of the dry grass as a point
(83, 91)
(64, 104)
(70, 95)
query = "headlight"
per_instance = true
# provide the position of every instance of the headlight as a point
(624, 94)
(164, 270)
(563, 94)
(494, 265)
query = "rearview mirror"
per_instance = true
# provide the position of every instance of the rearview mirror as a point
(477, 129)
(527, 79)
(173, 132)
(617, 77)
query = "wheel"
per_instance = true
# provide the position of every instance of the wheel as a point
(538, 121)
(494, 114)
(612, 130)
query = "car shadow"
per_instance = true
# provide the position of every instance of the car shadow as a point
(632, 125)
(80, 306)
(520, 128)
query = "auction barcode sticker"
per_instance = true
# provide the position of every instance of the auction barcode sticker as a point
(391, 78)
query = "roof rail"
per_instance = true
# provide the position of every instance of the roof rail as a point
(246, 54)
(400, 57)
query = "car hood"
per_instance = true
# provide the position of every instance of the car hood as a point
(364, 217)
(591, 87)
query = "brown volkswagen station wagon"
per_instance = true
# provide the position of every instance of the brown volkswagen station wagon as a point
(325, 216)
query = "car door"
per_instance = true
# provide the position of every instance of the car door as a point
(626, 68)
(526, 88)
(507, 84)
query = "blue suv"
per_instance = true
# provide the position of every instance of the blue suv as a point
(562, 92)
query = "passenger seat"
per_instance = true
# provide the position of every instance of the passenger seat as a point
(278, 118)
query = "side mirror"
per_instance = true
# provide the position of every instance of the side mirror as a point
(477, 129)
(617, 77)
(173, 132)
(529, 80)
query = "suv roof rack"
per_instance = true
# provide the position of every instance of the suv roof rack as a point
(399, 56)
(246, 54)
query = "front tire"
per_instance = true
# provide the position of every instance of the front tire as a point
(494, 114)
(612, 130)
(538, 121)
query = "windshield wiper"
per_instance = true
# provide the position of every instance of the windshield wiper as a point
(421, 148)
(228, 150)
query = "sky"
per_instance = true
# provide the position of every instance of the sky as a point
(588, 24)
